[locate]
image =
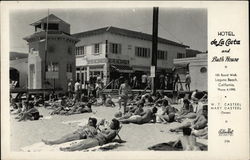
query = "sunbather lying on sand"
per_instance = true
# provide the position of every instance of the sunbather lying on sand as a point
(161, 97)
(168, 113)
(80, 108)
(186, 111)
(17, 108)
(38, 101)
(146, 117)
(138, 110)
(148, 98)
(109, 102)
(199, 122)
(30, 113)
(82, 133)
(104, 136)
(63, 107)
(188, 141)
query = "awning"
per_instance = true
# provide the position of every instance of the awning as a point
(122, 69)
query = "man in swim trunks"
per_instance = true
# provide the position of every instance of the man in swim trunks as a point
(124, 91)
(188, 141)
(145, 117)
(87, 131)
(104, 136)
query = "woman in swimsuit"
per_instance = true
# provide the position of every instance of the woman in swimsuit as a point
(103, 137)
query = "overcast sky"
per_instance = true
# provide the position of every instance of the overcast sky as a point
(187, 26)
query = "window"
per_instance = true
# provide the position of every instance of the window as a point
(38, 28)
(129, 47)
(142, 52)
(180, 55)
(52, 26)
(78, 76)
(97, 48)
(82, 77)
(115, 48)
(69, 67)
(80, 50)
(162, 54)
(70, 50)
(52, 67)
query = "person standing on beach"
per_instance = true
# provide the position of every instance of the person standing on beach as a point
(70, 89)
(188, 81)
(124, 90)
(134, 82)
(176, 80)
(77, 89)
(166, 81)
(144, 81)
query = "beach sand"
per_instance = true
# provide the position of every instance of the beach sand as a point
(137, 137)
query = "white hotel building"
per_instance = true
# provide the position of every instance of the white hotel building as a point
(112, 51)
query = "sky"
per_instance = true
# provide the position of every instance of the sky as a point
(187, 26)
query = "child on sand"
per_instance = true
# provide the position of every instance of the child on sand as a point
(188, 141)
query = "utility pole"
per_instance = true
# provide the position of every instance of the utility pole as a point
(154, 48)
(46, 48)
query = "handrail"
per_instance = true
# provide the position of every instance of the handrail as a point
(107, 85)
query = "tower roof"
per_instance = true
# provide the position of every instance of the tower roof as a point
(52, 19)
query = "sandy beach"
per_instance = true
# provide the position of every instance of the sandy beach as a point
(137, 137)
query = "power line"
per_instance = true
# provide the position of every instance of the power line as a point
(142, 25)
(169, 33)
(198, 27)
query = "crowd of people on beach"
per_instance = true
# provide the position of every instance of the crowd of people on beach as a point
(137, 108)
(166, 81)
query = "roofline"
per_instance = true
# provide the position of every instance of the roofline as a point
(109, 29)
(32, 24)
(50, 35)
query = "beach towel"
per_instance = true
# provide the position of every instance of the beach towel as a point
(81, 122)
(169, 147)
(41, 147)
(46, 117)
(76, 122)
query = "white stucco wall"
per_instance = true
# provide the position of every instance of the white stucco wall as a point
(198, 79)
(128, 45)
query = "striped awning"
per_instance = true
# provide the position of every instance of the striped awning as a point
(121, 68)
